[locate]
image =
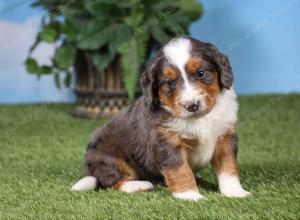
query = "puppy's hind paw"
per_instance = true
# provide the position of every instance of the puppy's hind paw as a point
(136, 186)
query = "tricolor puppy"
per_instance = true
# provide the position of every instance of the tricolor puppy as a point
(184, 120)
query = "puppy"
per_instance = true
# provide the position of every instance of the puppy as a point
(184, 120)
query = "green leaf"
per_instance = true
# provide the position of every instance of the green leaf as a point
(160, 6)
(35, 44)
(136, 18)
(32, 66)
(120, 34)
(112, 34)
(74, 13)
(182, 19)
(68, 79)
(57, 80)
(49, 34)
(191, 8)
(159, 34)
(173, 25)
(64, 56)
(132, 57)
(107, 6)
(68, 29)
(92, 36)
(102, 60)
(45, 69)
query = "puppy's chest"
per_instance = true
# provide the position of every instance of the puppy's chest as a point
(201, 134)
(200, 148)
(200, 138)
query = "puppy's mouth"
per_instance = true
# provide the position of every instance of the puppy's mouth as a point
(194, 114)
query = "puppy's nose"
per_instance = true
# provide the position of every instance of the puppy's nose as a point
(192, 106)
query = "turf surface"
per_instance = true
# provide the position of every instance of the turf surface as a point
(41, 154)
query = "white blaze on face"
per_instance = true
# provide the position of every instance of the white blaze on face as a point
(178, 52)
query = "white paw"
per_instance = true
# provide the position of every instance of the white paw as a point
(230, 186)
(85, 184)
(239, 192)
(188, 195)
(136, 186)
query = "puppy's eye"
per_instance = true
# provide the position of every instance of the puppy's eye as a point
(170, 83)
(200, 74)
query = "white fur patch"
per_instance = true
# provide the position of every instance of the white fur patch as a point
(87, 183)
(136, 186)
(178, 52)
(207, 128)
(190, 94)
(230, 186)
(188, 195)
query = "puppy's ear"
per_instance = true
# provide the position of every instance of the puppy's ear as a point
(223, 66)
(149, 85)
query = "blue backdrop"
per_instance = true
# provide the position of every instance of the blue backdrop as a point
(260, 37)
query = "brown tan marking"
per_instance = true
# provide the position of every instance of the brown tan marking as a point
(190, 142)
(212, 91)
(180, 179)
(127, 171)
(170, 73)
(170, 100)
(224, 160)
(174, 139)
(193, 64)
(119, 184)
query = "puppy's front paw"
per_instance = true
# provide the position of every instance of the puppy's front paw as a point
(238, 192)
(188, 195)
(230, 186)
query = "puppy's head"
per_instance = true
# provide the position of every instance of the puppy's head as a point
(186, 77)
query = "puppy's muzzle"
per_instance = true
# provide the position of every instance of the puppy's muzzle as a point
(192, 106)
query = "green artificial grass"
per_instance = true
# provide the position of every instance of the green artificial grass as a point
(41, 155)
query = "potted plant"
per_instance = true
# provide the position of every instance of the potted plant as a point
(105, 44)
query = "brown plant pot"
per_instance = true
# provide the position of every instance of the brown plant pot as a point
(98, 94)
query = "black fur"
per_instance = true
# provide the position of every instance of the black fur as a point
(131, 136)
(209, 52)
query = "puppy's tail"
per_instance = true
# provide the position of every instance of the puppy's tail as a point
(86, 183)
